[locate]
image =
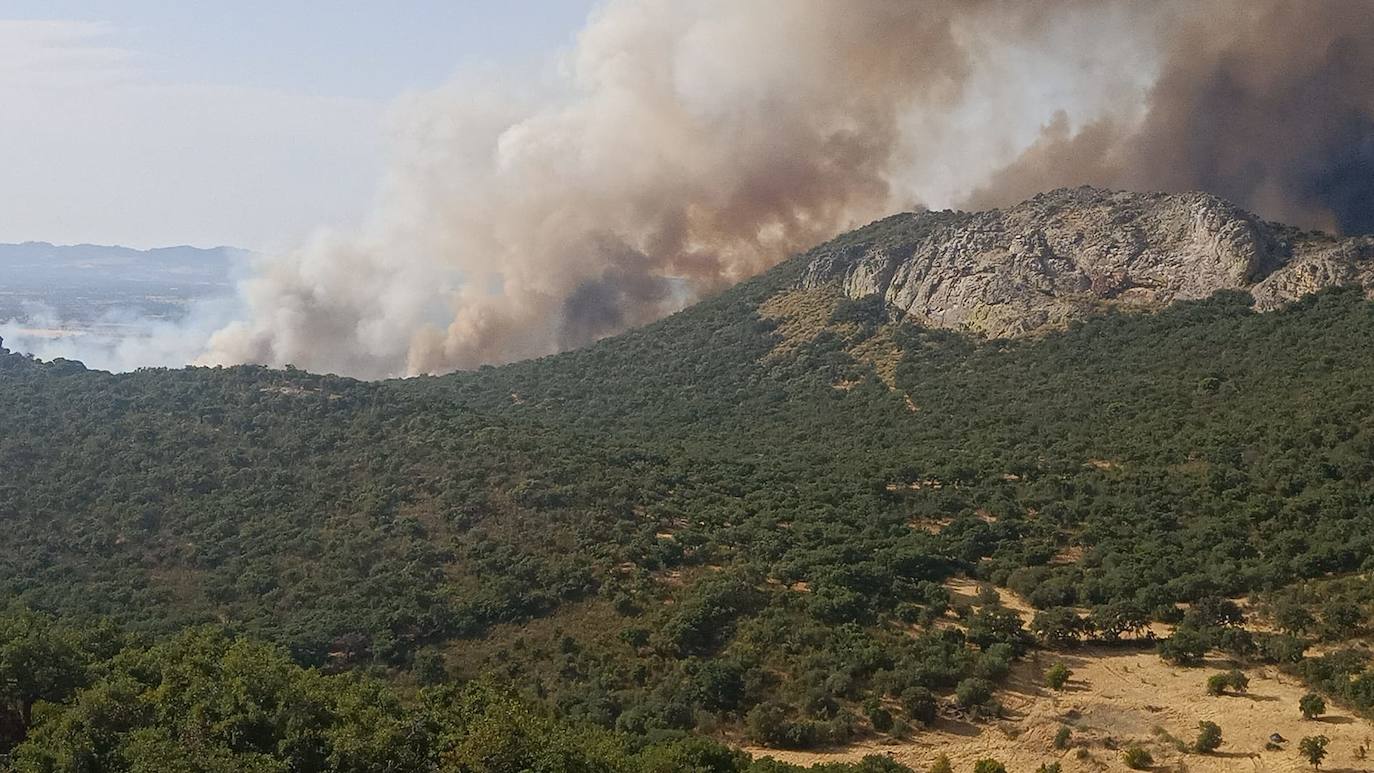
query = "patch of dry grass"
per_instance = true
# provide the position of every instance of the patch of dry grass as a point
(1119, 698)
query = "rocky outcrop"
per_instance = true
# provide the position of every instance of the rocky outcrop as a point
(1070, 252)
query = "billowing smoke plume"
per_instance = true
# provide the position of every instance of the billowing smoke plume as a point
(1268, 104)
(698, 143)
(690, 143)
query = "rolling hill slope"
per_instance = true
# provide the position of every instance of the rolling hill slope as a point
(738, 519)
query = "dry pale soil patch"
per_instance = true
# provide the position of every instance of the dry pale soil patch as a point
(1121, 697)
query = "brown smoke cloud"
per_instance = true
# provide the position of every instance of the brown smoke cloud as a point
(688, 144)
(1268, 104)
(697, 143)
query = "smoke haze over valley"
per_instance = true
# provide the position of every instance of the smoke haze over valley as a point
(116, 308)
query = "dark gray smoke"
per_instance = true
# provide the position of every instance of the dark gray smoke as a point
(1268, 104)
(627, 293)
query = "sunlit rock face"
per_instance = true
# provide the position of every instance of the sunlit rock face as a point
(1072, 251)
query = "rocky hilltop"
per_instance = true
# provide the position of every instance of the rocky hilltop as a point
(1073, 251)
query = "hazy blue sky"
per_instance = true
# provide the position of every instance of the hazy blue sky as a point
(249, 122)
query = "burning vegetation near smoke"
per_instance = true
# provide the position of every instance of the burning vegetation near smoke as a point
(691, 145)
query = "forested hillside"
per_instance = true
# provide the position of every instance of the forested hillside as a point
(735, 521)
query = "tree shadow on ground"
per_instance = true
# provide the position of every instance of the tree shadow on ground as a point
(958, 727)
(1233, 755)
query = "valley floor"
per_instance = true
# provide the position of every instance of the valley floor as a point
(1117, 698)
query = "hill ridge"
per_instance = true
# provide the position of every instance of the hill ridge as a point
(1069, 252)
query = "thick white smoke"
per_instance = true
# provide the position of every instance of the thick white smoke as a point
(687, 145)
(120, 340)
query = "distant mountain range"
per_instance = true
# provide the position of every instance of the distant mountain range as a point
(79, 288)
(33, 265)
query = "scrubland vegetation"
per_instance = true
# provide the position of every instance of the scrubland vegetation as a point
(683, 531)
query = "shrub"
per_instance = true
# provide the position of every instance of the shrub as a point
(1237, 641)
(1114, 620)
(1057, 676)
(989, 766)
(707, 614)
(765, 722)
(871, 763)
(1208, 737)
(1137, 758)
(919, 704)
(1292, 617)
(1280, 648)
(1341, 619)
(1063, 738)
(1312, 705)
(1215, 612)
(836, 604)
(625, 605)
(909, 613)
(973, 692)
(934, 596)
(428, 668)
(1237, 680)
(995, 663)
(1313, 749)
(1058, 627)
(992, 625)
(1185, 648)
(879, 717)
(635, 637)
(1050, 767)
(717, 685)
(941, 765)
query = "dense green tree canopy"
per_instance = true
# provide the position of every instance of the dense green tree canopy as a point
(712, 519)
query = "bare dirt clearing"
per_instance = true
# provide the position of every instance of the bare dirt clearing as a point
(1117, 698)
(966, 590)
